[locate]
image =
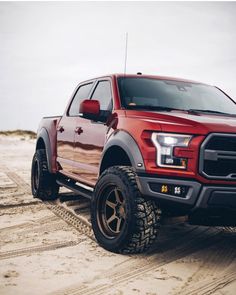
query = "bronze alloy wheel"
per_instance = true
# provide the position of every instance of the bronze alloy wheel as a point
(113, 212)
(123, 220)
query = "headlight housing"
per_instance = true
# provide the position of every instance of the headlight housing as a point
(165, 144)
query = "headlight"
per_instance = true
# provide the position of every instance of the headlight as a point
(165, 144)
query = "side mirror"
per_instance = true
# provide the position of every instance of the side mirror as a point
(90, 109)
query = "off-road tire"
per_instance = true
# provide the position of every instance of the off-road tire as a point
(230, 229)
(43, 183)
(141, 219)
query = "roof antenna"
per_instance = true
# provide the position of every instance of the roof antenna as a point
(126, 49)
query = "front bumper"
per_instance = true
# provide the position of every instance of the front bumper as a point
(196, 196)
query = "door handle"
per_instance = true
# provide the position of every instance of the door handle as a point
(60, 129)
(79, 130)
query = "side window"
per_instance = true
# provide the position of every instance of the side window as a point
(103, 94)
(81, 94)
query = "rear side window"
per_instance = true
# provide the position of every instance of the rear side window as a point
(81, 94)
(103, 94)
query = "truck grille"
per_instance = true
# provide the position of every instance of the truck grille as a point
(218, 157)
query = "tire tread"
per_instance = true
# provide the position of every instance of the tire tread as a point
(146, 213)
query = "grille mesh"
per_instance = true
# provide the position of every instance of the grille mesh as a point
(218, 157)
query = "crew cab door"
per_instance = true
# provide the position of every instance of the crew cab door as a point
(91, 136)
(67, 128)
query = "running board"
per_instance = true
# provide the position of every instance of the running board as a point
(76, 188)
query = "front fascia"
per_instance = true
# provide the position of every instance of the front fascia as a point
(141, 130)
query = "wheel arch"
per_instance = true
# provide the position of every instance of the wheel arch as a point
(40, 144)
(43, 142)
(121, 149)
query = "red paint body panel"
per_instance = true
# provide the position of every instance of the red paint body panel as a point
(65, 143)
(88, 149)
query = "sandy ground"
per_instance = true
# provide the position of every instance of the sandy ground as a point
(49, 248)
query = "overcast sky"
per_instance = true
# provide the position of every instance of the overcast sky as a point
(47, 48)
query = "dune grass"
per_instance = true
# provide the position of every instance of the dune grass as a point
(18, 132)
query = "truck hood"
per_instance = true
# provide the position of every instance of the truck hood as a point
(182, 121)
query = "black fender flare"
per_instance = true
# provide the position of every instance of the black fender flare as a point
(125, 141)
(43, 135)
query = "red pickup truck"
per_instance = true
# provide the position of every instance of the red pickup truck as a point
(141, 148)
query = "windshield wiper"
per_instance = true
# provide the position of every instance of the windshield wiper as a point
(194, 111)
(168, 109)
(153, 108)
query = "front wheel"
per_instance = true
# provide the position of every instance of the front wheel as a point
(229, 229)
(122, 220)
(43, 183)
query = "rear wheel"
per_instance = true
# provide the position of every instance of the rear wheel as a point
(123, 221)
(43, 183)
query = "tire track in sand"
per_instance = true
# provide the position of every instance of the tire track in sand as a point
(132, 267)
(73, 219)
(35, 249)
(21, 183)
(215, 261)
(211, 285)
(29, 224)
(140, 265)
(78, 222)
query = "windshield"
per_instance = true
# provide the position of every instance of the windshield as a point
(153, 94)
